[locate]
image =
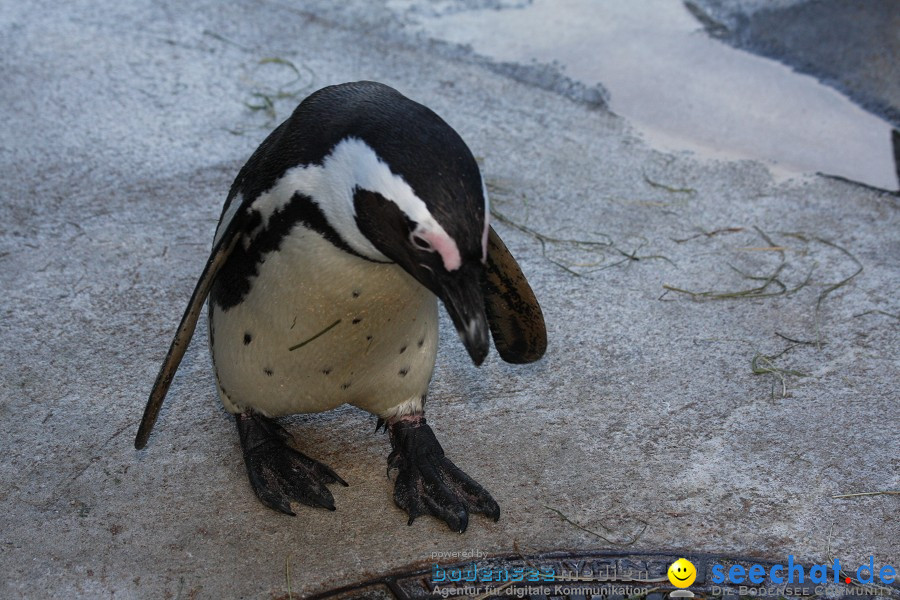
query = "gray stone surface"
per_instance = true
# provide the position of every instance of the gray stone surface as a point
(853, 46)
(123, 125)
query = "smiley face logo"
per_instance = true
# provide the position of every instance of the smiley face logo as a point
(682, 573)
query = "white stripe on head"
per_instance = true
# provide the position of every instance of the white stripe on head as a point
(354, 164)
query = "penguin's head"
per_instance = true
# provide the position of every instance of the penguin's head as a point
(430, 217)
(447, 258)
(396, 183)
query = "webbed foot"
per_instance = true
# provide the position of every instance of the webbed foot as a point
(278, 473)
(428, 482)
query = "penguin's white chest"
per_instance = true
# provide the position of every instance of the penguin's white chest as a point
(320, 328)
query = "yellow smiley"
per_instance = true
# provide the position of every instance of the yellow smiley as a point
(682, 573)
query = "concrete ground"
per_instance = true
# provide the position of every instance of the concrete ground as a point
(676, 409)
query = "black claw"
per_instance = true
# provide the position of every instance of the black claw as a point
(278, 473)
(429, 483)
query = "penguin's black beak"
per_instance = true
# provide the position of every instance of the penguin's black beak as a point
(461, 294)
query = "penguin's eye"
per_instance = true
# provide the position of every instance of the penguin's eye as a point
(421, 243)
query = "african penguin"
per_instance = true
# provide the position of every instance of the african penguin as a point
(338, 237)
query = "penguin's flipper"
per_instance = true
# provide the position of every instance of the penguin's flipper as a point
(513, 312)
(221, 251)
(428, 482)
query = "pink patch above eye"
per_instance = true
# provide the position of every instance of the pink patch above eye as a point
(445, 246)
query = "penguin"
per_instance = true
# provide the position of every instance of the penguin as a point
(336, 241)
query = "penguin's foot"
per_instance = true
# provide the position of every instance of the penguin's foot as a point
(278, 473)
(428, 483)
